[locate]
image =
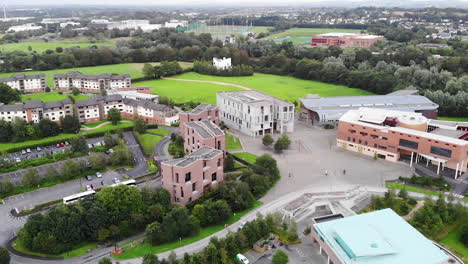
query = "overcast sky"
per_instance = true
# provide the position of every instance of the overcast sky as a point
(219, 2)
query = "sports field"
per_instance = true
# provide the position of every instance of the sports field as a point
(309, 32)
(134, 69)
(43, 46)
(47, 97)
(228, 30)
(284, 87)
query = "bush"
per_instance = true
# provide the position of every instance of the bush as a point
(328, 126)
(280, 257)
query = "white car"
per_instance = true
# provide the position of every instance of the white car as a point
(28, 150)
(115, 180)
(88, 188)
(242, 258)
(98, 174)
(90, 146)
(18, 160)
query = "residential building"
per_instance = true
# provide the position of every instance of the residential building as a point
(394, 135)
(176, 23)
(136, 95)
(36, 110)
(222, 64)
(91, 83)
(24, 27)
(198, 134)
(255, 113)
(69, 23)
(26, 83)
(328, 110)
(88, 110)
(150, 112)
(345, 40)
(133, 24)
(379, 237)
(201, 112)
(188, 178)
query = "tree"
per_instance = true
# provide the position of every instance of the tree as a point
(267, 140)
(8, 94)
(49, 128)
(75, 91)
(154, 233)
(150, 259)
(78, 144)
(464, 235)
(69, 169)
(266, 165)
(140, 125)
(98, 161)
(18, 129)
(109, 141)
(6, 186)
(229, 163)
(282, 143)
(70, 124)
(280, 257)
(148, 71)
(113, 115)
(51, 173)
(105, 261)
(403, 194)
(4, 256)
(31, 178)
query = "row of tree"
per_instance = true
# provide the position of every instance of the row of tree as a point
(164, 69)
(205, 67)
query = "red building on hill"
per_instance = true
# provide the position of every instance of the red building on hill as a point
(345, 40)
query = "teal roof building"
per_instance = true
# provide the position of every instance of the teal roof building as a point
(380, 237)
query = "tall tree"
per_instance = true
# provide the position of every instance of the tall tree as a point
(70, 124)
(113, 115)
(8, 94)
(4, 256)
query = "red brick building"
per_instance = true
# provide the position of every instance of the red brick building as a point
(203, 133)
(345, 40)
(201, 112)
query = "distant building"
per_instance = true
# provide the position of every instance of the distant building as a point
(393, 135)
(25, 27)
(91, 83)
(255, 113)
(433, 45)
(36, 110)
(26, 83)
(222, 64)
(65, 24)
(201, 112)
(345, 40)
(133, 24)
(328, 110)
(176, 23)
(57, 20)
(188, 178)
(202, 133)
(136, 95)
(379, 237)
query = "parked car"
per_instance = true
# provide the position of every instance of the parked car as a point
(93, 186)
(242, 258)
(58, 145)
(89, 177)
(115, 180)
(88, 165)
(18, 160)
(62, 144)
(67, 143)
(97, 144)
(98, 174)
(23, 152)
(28, 150)
(38, 149)
(111, 151)
(90, 145)
(88, 188)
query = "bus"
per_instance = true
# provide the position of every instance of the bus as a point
(130, 182)
(76, 197)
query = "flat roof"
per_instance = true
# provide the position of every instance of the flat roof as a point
(205, 128)
(203, 153)
(252, 97)
(379, 237)
(448, 132)
(202, 107)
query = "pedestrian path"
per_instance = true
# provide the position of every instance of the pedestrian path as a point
(213, 82)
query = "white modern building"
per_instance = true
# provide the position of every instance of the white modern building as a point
(24, 27)
(26, 83)
(69, 23)
(176, 23)
(134, 24)
(222, 64)
(255, 113)
(136, 95)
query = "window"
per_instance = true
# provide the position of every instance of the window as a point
(177, 177)
(441, 151)
(219, 162)
(204, 163)
(194, 186)
(188, 177)
(408, 144)
(213, 177)
(181, 192)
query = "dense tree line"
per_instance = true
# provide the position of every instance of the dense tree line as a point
(164, 69)
(205, 67)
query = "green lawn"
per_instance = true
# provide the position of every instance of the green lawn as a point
(284, 87)
(308, 32)
(392, 185)
(246, 156)
(47, 97)
(160, 131)
(40, 47)
(109, 127)
(457, 119)
(148, 142)
(95, 124)
(228, 30)
(145, 248)
(134, 69)
(233, 143)
(451, 241)
(78, 251)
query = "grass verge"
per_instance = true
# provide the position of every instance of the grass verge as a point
(397, 186)
(145, 248)
(48, 97)
(77, 251)
(456, 119)
(160, 131)
(233, 143)
(452, 241)
(148, 142)
(246, 156)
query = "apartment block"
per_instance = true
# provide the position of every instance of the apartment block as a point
(395, 135)
(36, 110)
(201, 112)
(255, 113)
(26, 83)
(189, 177)
(198, 134)
(91, 83)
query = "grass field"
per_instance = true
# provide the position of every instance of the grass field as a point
(227, 30)
(134, 69)
(246, 156)
(284, 87)
(232, 143)
(457, 119)
(145, 248)
(78, 251)
(160, 131)
(43, 46)
(95, 124)
(147, 142)
(392, 185)
(452, 241)
(47, 97)
(308, 32)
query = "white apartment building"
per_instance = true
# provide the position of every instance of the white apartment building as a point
(136, 95)
(176, 23)
(24, 27)
(26, 83)
(255, 113)
(134, 24)
(36, 110)
(69, 23)
(91, 83)
(222, 64)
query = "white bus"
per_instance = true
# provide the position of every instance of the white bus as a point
(130, 182)
(76, 197)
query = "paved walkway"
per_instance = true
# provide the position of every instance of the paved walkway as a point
(213, 82)
(84, 127)
(414, 210)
